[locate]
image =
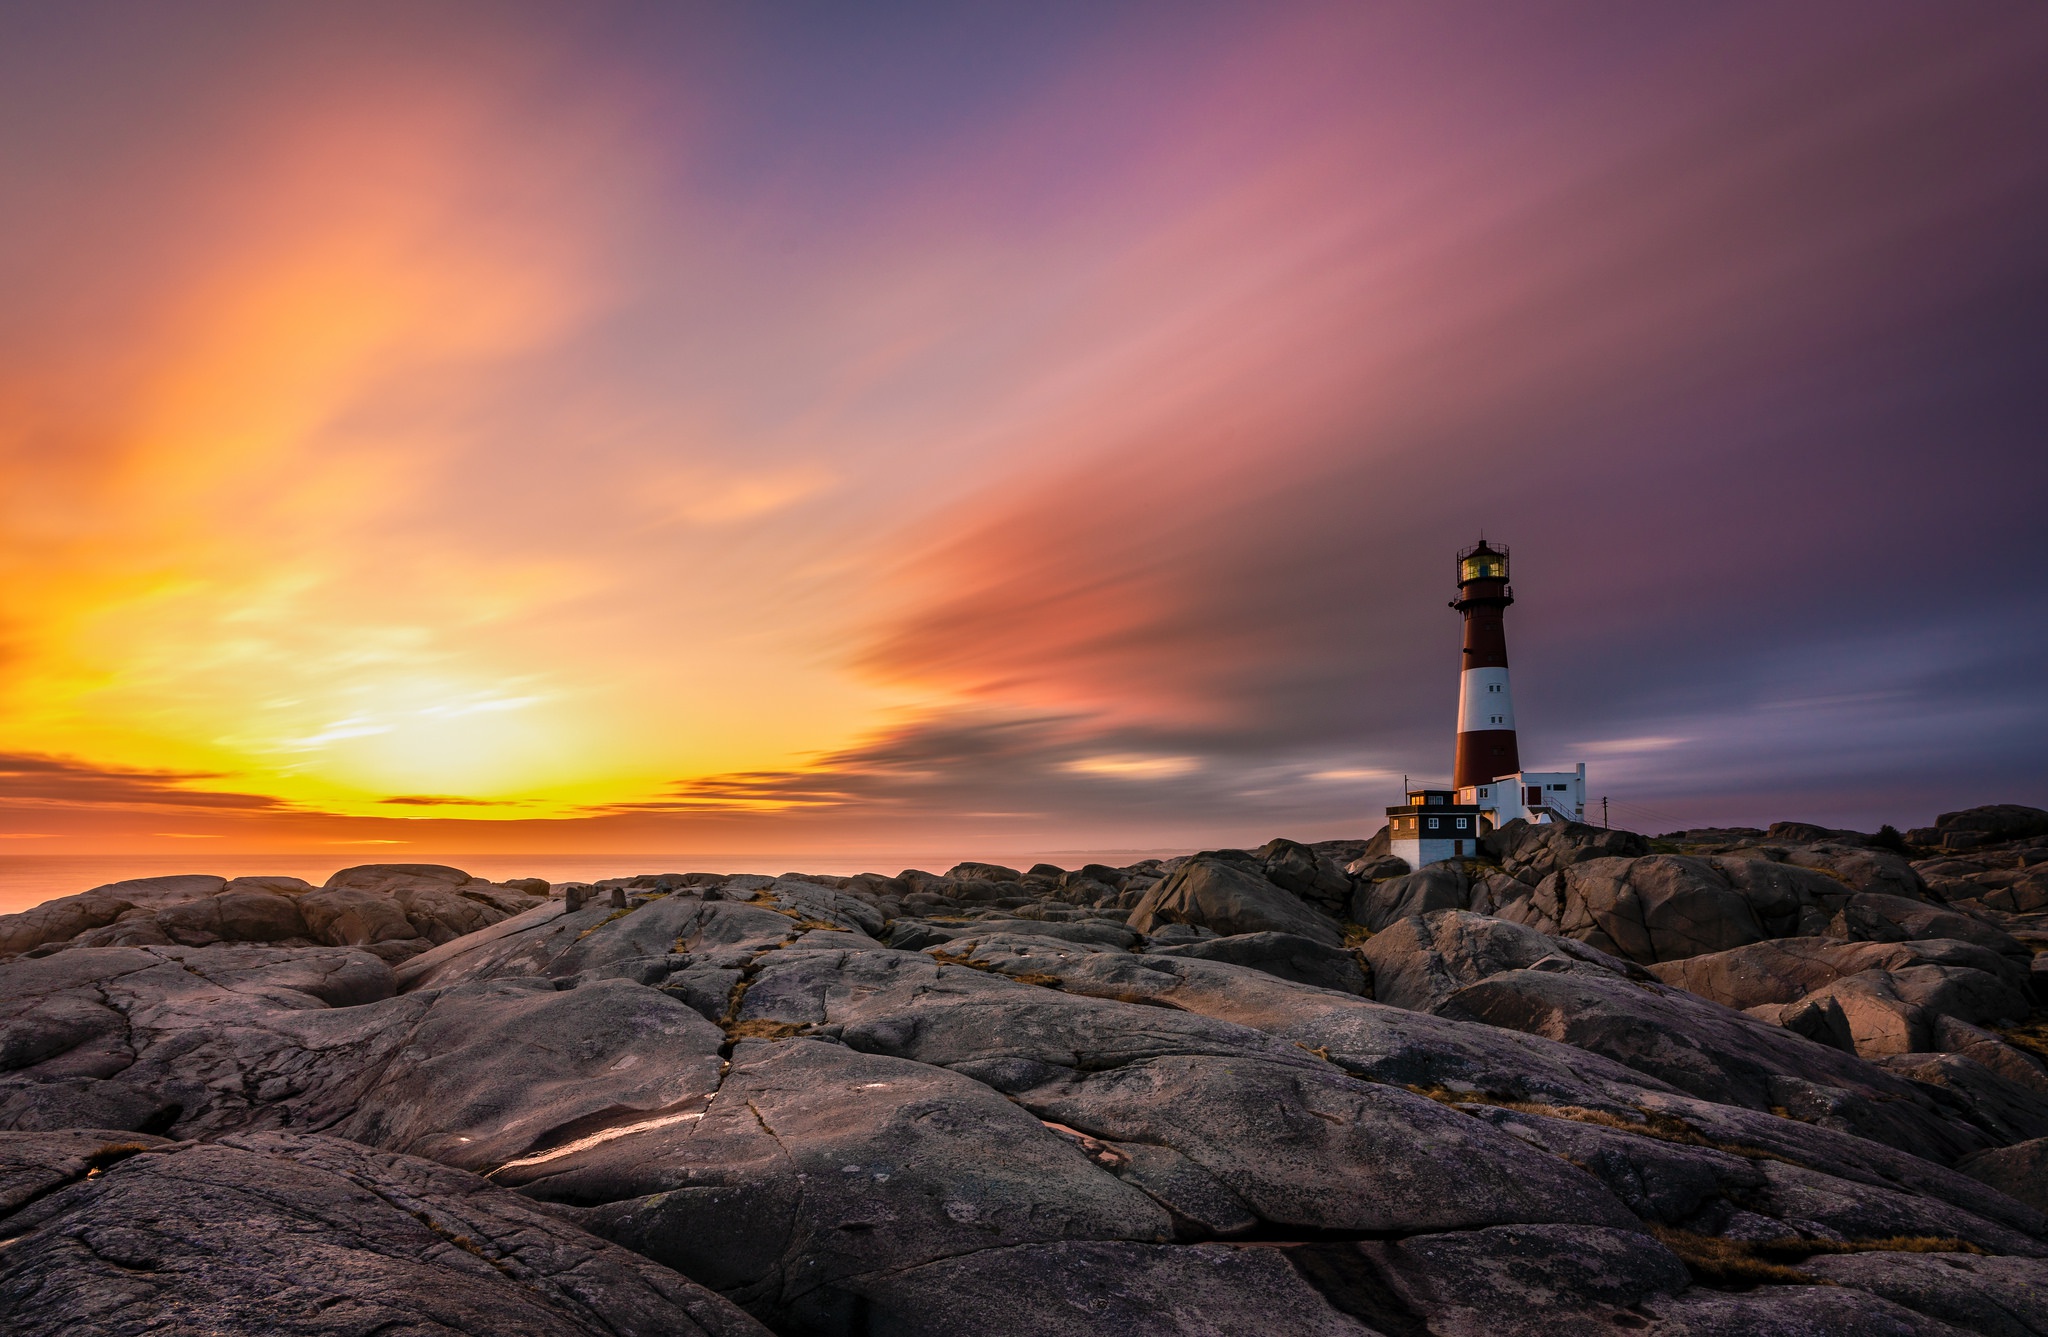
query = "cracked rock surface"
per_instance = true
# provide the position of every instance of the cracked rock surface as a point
(293, 1233)
(1760, 1083)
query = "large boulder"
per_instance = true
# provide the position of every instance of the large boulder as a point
(275, 885)
(58, 920)
(1419, 961)
(233, 916)
(1286, 955)
(801, 1157)
(1988, 825)
(440, 915)
(2003, 1297)
(2024, 894)
(2018, 1171)
(1788, 899)
(1729, 1192)
(1784, 970)
(1533, 852)
(494, 1069)
(1868, 917)
(1714, 1053)
(30, 1104)
(1230, 898)
(1862, 868)
(276, 1233)
(1316, 878)
(983, 872)
(1439, 886)
(1660, 908)
(1075, 1287)
(2014, 1112)
(388, 877)
(1952, 1036)
(152, 892)
(351, 917)
(62, 919)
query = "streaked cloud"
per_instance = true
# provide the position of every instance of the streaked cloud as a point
(597, 428)
(1630, 746)
(1127, 766)
(29, 781)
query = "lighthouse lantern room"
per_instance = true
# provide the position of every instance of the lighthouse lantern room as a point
(1489, 788)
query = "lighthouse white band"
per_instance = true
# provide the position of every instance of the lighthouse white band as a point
(1483, 700)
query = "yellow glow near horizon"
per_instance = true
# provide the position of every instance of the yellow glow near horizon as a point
(301, 553)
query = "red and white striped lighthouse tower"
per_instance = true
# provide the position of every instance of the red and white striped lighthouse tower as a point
(1486, 712)
(1489, 788)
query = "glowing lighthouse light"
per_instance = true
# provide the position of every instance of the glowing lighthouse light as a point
(1489, 788)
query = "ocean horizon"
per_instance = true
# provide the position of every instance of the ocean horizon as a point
(27, 880)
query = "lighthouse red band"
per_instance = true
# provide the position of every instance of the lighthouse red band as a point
(1486, 711)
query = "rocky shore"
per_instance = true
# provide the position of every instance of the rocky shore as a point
(1784, 1081)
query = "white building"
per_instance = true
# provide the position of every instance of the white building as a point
(1430, 828)
(1534, 796)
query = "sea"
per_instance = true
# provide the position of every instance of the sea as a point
(30, 879)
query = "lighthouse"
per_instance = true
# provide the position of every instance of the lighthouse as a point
(1486, 710)
(1489, 788)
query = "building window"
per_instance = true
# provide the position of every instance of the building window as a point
(1461, 824)
(1432, 823)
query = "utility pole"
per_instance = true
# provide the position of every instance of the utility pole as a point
(1603, 813)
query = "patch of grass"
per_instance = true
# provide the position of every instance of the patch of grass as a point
(462, 1242)
(1720, 1262)
(1320, 1051)
(735, 1000)
(115, 1151)
(798, 918)
(763, 1030)
(1889, 1244)
(2030, 1035)
(1356, 935)
(1725, 1262)
(1663, 1127)
(616, 914)
(1022, 977)
(111, 1154)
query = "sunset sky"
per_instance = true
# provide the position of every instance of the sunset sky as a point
(784, 427)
